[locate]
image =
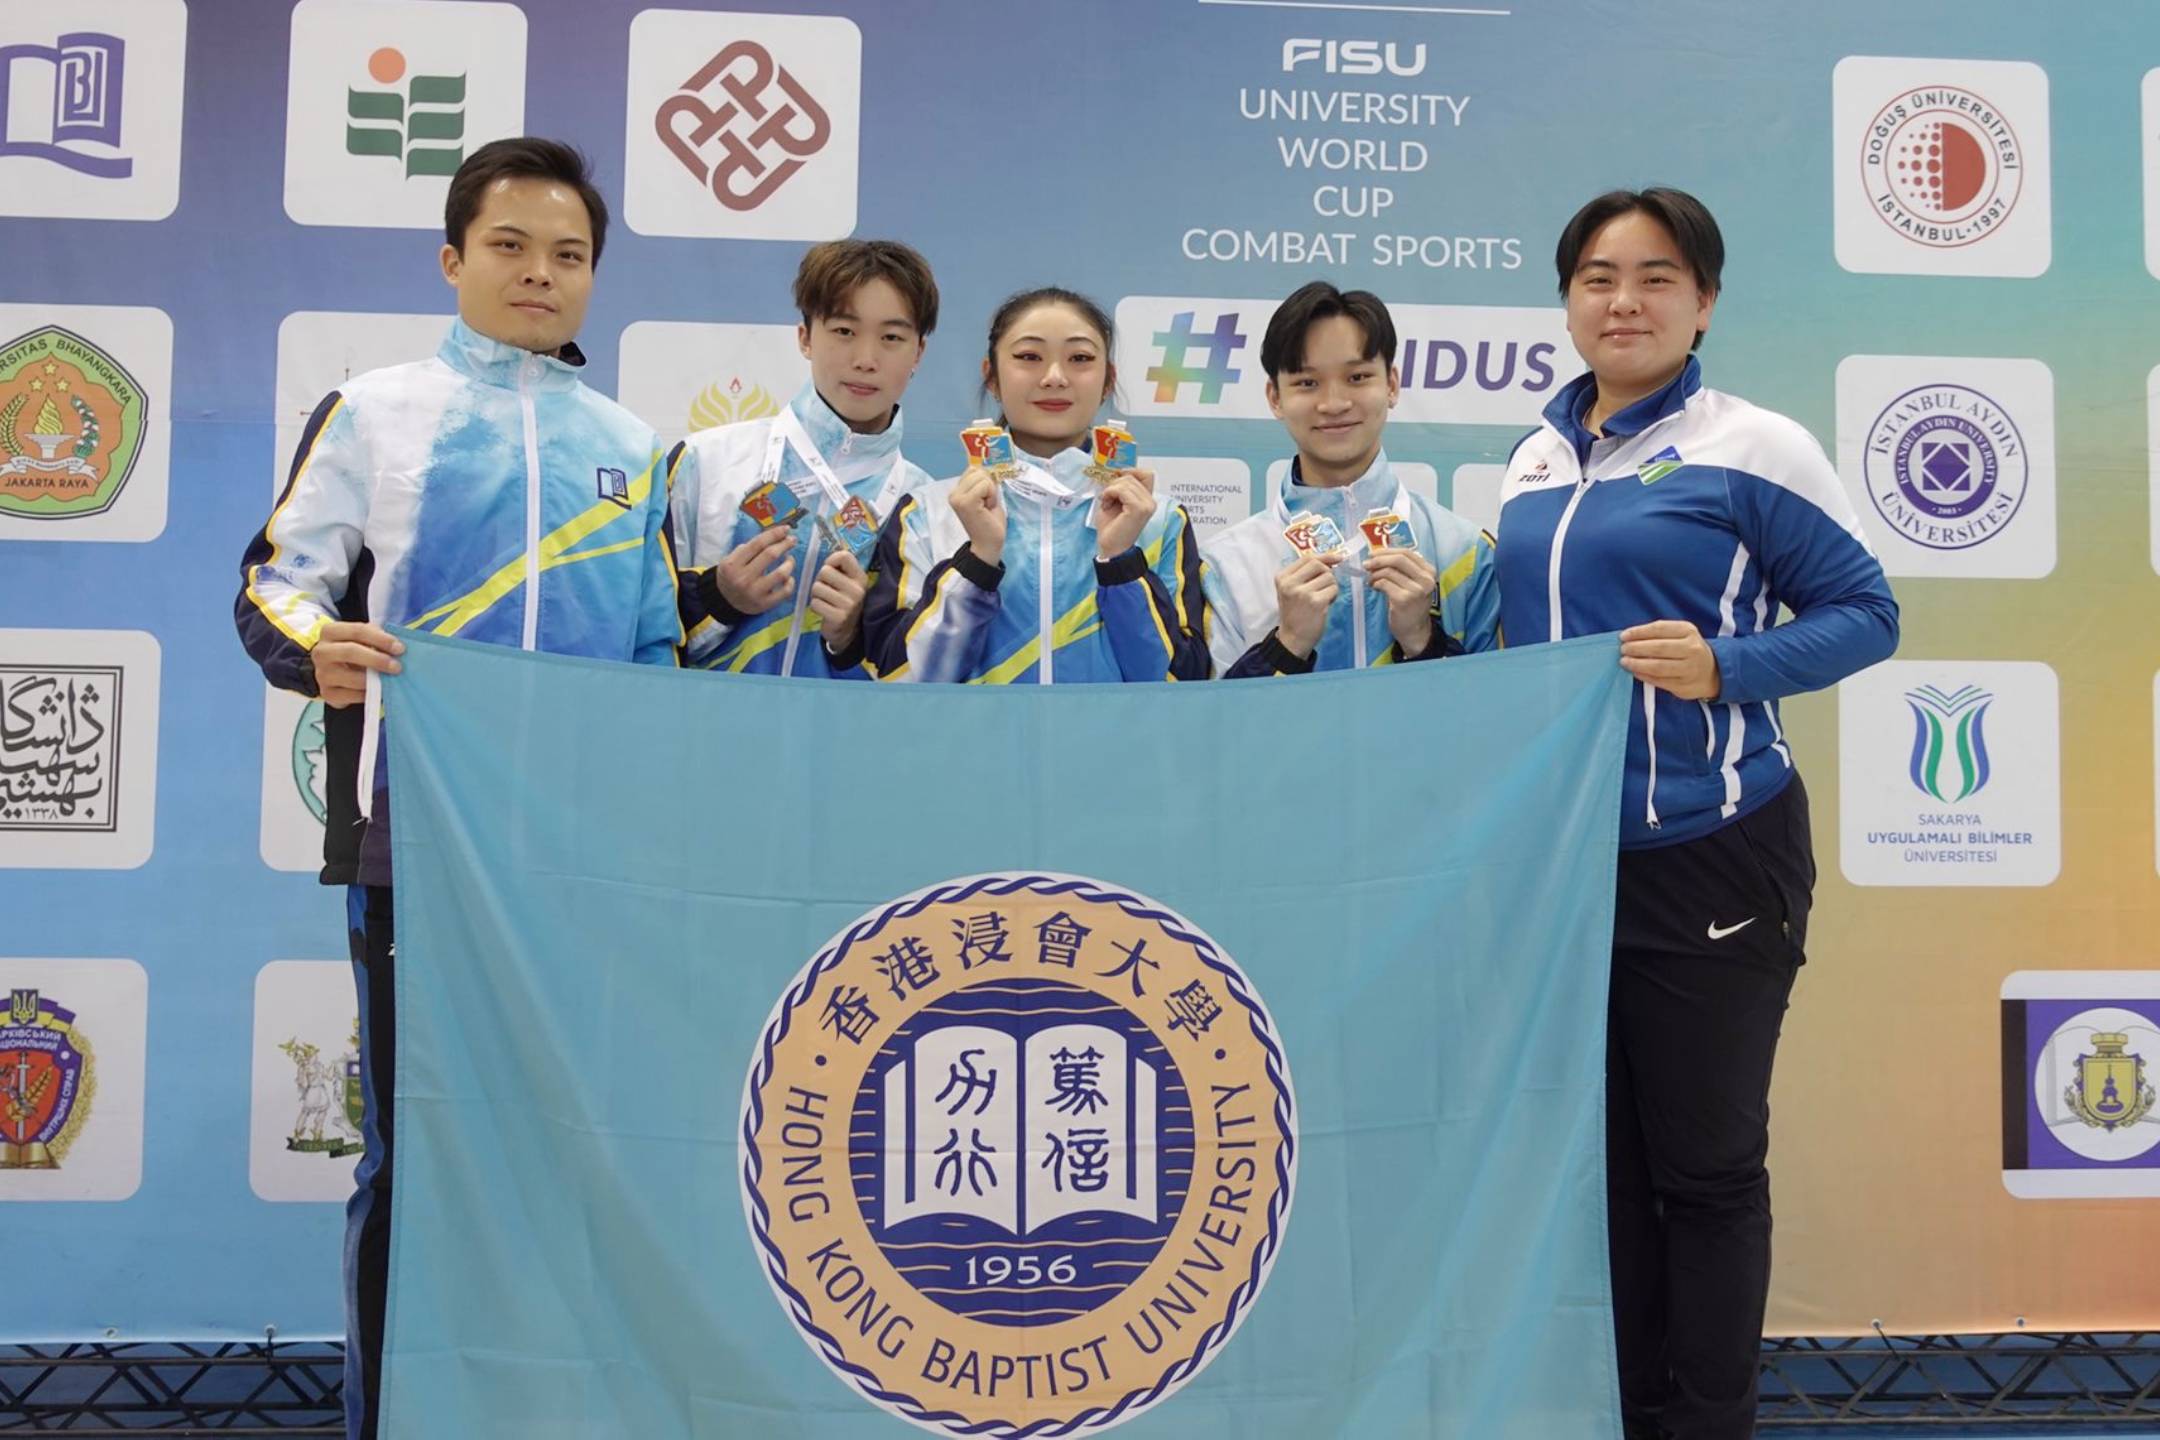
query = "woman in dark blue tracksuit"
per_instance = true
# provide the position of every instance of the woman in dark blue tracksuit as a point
(1685, 518)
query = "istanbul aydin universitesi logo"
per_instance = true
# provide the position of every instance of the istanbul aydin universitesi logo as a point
(1018, 1154)
(1942, 166)
(1956, 458)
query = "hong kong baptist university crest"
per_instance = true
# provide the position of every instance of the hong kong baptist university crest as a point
(1019, 1153)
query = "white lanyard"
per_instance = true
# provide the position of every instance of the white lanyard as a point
(787, 430)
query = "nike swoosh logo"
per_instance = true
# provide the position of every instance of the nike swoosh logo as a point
(1719, 932)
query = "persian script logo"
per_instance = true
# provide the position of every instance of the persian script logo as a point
(724, 405)
(753, 112)
(1172, 369)
(1949, 754)
(87, 68)
(331, 1101)
(48, 1078)
(1942, 165)
(1069, 1150)
(1946, 466)
(423, 125)
(309, 759)
(59, 747)
(71, 426)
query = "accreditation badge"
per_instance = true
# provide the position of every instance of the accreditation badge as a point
(1018, 1153)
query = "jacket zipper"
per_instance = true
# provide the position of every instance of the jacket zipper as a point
(1043, 552)
(531, 637)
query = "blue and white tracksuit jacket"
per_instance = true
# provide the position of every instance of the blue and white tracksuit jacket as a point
(1051, 611)
(1244, 561)
(710, 473)
(486, 493)
(1693, 505)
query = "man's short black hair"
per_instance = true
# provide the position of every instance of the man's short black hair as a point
(1283, 348)
(1685, 218)
(525, 157)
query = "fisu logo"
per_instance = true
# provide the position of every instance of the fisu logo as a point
(1354, 57)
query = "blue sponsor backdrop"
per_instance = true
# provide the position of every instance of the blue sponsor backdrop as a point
(1103, 147)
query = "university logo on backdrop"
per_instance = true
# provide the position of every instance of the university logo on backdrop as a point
(78, 748)
(295, 781)
(307, 1109)
(386, 100)
(91, 124)
(71, 1078)
(1951, 463)
(2080, 1107)
(84, 399)
(682, 376)
(1949, 774)
(1460, 364)
(1941, 166)
(1018, 1153)
(742, 126)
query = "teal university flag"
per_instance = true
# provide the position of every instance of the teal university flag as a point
(788, 1059)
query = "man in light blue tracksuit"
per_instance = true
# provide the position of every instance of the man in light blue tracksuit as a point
(485, 493)
(1329, 356)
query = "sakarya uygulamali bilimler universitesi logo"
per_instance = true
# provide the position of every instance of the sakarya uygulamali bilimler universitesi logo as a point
(1070, 1150)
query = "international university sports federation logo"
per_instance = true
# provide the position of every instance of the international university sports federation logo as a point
(1019, 1151)
(742, 126)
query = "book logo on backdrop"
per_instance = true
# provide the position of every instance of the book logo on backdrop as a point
(84, 70)
(386, 100)
(60, 747)
(48, 1078)
(1018, 1152)
(71, 426)
(421, 125)
(1945, 466)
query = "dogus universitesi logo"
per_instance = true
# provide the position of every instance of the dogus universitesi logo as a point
(1018, 1154)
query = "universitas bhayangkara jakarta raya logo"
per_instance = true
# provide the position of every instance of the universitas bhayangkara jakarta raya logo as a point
(1069, 1143)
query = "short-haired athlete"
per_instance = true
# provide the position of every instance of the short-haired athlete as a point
(1343, 568)
(778, 596)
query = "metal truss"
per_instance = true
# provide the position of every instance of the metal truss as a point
(2085, 1382)
(250, 1389)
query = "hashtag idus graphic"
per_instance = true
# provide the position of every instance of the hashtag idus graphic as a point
(1221, 345)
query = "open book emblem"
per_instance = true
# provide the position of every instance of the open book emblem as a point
(1018, 1148)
